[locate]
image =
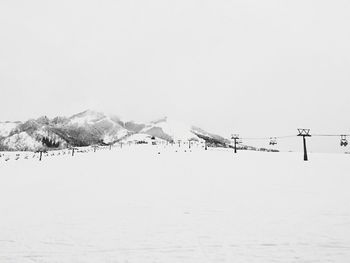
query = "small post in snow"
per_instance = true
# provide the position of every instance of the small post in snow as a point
(95, 147)
(304, 133)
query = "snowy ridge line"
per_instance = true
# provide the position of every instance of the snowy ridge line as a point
(92, 127)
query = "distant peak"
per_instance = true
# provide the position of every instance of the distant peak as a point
(163, 119)
(87, 112)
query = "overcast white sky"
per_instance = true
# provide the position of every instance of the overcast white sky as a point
(250, 66)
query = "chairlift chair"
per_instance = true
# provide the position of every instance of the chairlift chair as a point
(343, 141)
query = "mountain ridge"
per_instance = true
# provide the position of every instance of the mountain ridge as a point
(91, 127)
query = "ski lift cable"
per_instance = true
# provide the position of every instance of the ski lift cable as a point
(290, 136)
(330, 135)
(267, 138)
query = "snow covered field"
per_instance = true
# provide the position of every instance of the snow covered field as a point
(135, 205)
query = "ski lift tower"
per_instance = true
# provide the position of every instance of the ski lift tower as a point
(304, 133)
(235, 138)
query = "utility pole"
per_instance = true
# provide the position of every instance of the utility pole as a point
(304, 133)
(235, 138)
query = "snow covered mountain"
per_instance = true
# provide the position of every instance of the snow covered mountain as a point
(32, 135)
(172, 130)
(92, 127)
(82, 129)
(7, 127)
(96, 126)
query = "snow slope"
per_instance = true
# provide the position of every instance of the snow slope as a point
(86, 117)
(139, 137)
(109, 128)
(32, 140)
(7, 127)
(170, 129)
(22, 141)
(135, 205)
